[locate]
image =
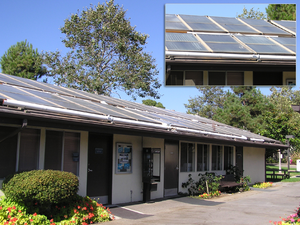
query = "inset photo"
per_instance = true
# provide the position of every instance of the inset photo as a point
(212, 44)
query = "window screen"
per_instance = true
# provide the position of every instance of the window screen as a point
(193, 78)
(228, 157)
(235, 78)
(187, 157)
(202, 157)
(8, 151)
(175, 78)
(29, 149)
(216, 157)
(216, 78)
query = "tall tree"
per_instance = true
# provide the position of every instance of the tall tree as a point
(23, 61)
(153, 103)
(106, 54)
(281, 11)
(208, 102)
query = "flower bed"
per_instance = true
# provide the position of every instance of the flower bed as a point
(210, 195)
(263, 185)
(291, 219)
(83, 211)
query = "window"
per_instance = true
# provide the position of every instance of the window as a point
(193, 78)
(60, 149)
(216, 78)
(187, 157)
(29, 149)
(175, 78)
(19, 152)
(228, 157)
(202, 157)
(216, 163)
(226, 78)
(267, 78)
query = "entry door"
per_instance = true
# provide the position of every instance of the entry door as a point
(99, 182)
(171, 168)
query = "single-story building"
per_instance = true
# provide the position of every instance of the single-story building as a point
(211, 50)
(115, 146)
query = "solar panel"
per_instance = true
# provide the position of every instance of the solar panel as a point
(289, 43)
(264, 27)
(201, 23)
(290, 25)
(183, 42)
(233, 25)
(223, 43)
(262, 45)
(173, 23)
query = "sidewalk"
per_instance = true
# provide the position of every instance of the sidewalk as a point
(257, 206)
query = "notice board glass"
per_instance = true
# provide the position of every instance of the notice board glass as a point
(124, 158)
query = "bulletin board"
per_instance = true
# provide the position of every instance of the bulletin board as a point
(124, 158)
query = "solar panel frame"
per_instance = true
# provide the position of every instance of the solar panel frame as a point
(264, 26)
(200, 23)
(290, 25)
(172, 22)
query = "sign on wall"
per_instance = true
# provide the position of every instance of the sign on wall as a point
(124, 158)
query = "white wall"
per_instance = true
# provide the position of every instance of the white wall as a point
(123, 184)
(83, 161)
(254, 163)
(128, 187)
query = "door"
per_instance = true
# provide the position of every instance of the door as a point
(99, 182)
(171, 168)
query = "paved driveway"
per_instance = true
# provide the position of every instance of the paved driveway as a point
(257, 206)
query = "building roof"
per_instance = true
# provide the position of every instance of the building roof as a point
(224, 38)
(36, 99)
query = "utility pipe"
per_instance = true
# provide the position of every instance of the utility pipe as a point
(22, 104)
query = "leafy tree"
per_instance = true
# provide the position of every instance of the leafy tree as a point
(153, 103)
(205, 105)
(106, 54)
(23, 61)
(281, 12)
(252, 14)
(245, 108)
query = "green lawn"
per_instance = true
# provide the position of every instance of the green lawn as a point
(285, 168)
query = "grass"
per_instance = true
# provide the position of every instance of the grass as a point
(297, 179)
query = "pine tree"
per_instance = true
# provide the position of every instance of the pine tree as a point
(23, 61)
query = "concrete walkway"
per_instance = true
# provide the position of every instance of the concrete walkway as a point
(257, 206)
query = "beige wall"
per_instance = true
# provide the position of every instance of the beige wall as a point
(254, 163)
(128, 187)
(83, 161)
(288, 75)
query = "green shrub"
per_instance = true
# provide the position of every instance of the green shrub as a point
(42, 187)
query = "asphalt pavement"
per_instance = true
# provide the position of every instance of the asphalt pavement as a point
(257, 206)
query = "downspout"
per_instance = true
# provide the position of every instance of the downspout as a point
(22, 104)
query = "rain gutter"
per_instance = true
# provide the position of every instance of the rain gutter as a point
(21, 104)
(256, 57)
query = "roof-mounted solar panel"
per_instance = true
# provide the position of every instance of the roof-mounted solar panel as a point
(201, 23)
(233, 25)
(289, 26)
(223, 43)
(287, 42)
(262, 45)
(172, 22)
(183, 42)
(264, 27)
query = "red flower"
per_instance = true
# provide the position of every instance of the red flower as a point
(0, 207)
(9, 216)
(9, 209)
(34, 214)
(51, 220)
(78, 207)
(31, 220)
(14, 207)
(20, 211)
(84, 223)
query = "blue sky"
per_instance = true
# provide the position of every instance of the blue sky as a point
(39, 21)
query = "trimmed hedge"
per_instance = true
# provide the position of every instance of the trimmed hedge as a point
(43, 187)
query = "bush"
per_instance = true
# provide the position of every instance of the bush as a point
(43, 187)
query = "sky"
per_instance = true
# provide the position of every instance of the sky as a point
(39, 22)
